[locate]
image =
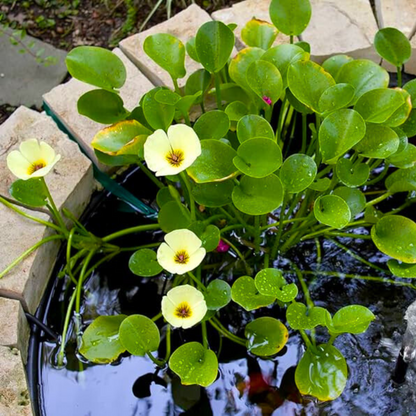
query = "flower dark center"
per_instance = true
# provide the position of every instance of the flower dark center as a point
(181, 257)
(183, 310)
(36, 166)
(175, 158)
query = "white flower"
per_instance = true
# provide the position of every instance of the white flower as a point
(184, 306)
(171, 153)
(34, 159)
(181, 253)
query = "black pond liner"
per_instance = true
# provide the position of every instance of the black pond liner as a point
(246, 384)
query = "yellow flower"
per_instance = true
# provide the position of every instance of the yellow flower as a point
(184, 306)
(171, 153)
(34, 159)
(181, 253)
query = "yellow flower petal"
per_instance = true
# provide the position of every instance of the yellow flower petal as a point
(18, 164)
(47, 153)
(31, 150)
(183, 239)
(156, 147)
(183, 137)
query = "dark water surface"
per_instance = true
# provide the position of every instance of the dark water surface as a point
(246, 385)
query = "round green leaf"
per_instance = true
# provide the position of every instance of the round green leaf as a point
(334, 64)
(158, 115)
(258, 157)
(364, 75)
(407, 271)
(194, 364)
(191, 49)
(265, 80)
(298, 172)
(402, 113)
(340, 132)
(304, 45)
(393, 46)
(354, 319)
(307, 82)
(409, 126)
(213, 194)
(168, 52)
(290, 16)
(244, 293)
(322, 375)
(174, 216)
(281, 56)
(410, 87)
(402, 180)
(102, 106)
(240, 63)
(139, 335)
(320, 185)
(259, 34)
(212, 125)
(353, 197)
(252, 126)
(255, 196)
(266, 336)
(299, 317)
(352, 174)
(165, 96)
(100, 341)
(377, 105)
(296, 104)
(395, 236)
(270, 282)
(336, 97)
(197, 81)
(215, 163)
(218, 294)
(236, 110)
(214, 43)
(30, 192)
(332, 210)
(404, 159)
(379, 142)
(208, 234)
(144, 263)
(96, 66)
(166, 194)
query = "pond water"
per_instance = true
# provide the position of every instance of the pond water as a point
(246, 385)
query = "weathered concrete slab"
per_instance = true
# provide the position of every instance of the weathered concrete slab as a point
(241, 13)
(71, 184)
(183, 25)
(341, 26)
(14, 395)
(400, 14)
(22, 79)
(62, 100)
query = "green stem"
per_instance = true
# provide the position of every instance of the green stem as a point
(150, 175)
(159, 363)
(280, 229)
(324, 231)
(306, 339)
(242, 258)
(228, 334)
(198, 282)
(185, 178)
(377, 200)
(204, 334)
(65, 330)
(30, 217)
(168, 343)
(81, 279)
(399, 76)
(304, 133)
(30, 250)
(176, 86)
(132, 230)
(55, 210)
(218, 90)
(257, 233)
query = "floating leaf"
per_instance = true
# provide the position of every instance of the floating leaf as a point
(167, 194)
(352, 174)
(194, 364)
(299, 317)
(252, 126)
(266, 336)
(402, 113)
(336, 97)
(214, 43)
(410, 87)
(290, 17)
(409, 126)
(236, 110)
(30, 192)
(259, 34)
(100, 341)
(258, 157)
(353, 197)
(139, 335)
(353, 319)
(334, 64)
(320, 185)
(198, 81)
(332, 210)
(165, 96)
(244, 293)
(144, 263)
(212, 125)
(158, 115)
(393, 46)
(258, 196)
(404, 159)
(208, 234)
(191, 49)
(339, 132)
(402, 180)
(215, 163)
(395, 236)
(322, 374)
(213, 194)
(168, 52)
(265, 80)
(218, 294)
(174, 216)
(407, 271)
(270, 282)
(298, 172)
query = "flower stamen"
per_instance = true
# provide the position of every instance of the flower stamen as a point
(183, 310)
(39, 164)
(181, 257)
(175, 158)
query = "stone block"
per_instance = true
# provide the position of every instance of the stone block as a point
(23, 80)
(241, 13)
(400, 14)
(183, 25)
(62, 101)
(14, 395)
(71, 184)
